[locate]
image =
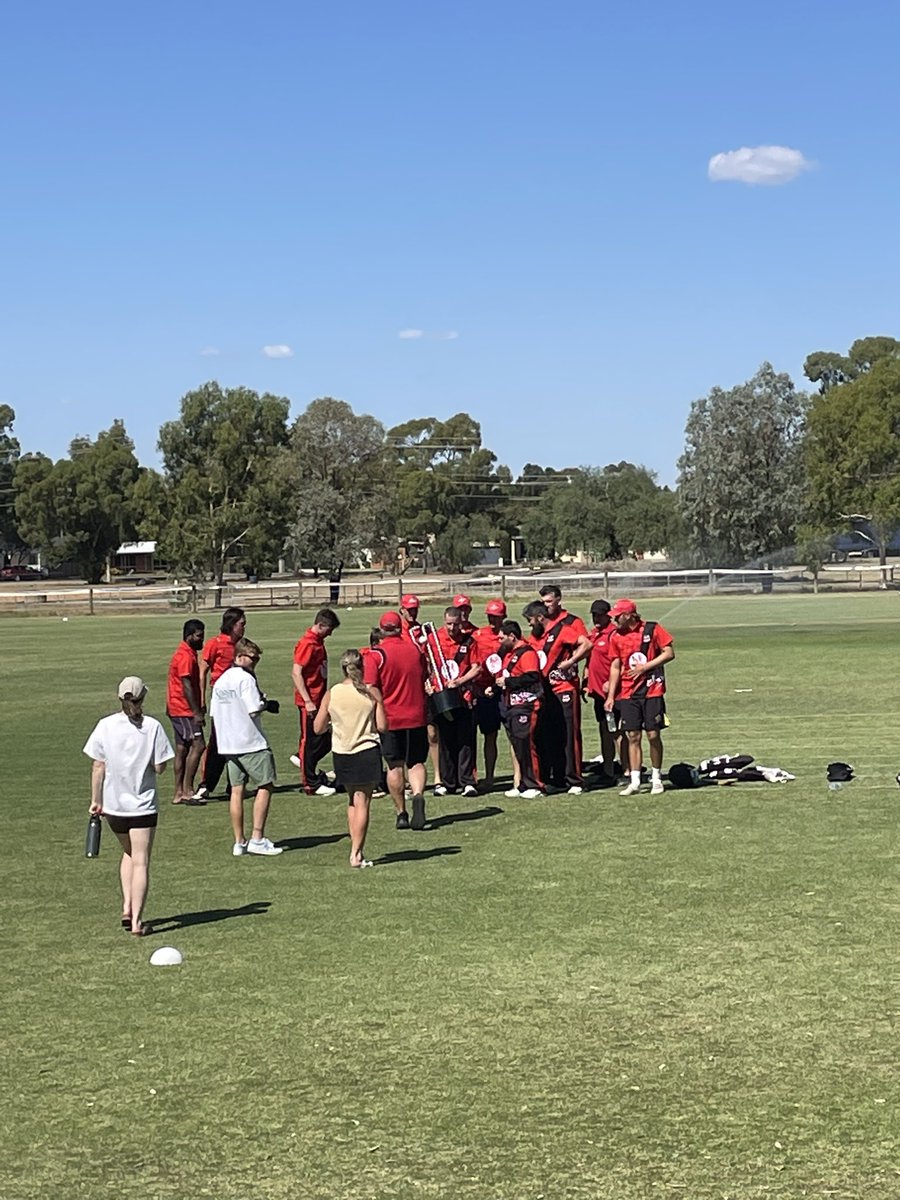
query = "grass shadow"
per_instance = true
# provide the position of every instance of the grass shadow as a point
(475, 814)
(208, 916)
(310, 843)
(397, 856)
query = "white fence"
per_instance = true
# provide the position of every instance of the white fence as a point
(362, 589)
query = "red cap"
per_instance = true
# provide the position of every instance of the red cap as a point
(621, 607)
(409, 600)
(495, 608)
(461, 601)
(390, 620)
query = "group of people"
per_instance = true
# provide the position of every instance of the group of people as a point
(416, 691)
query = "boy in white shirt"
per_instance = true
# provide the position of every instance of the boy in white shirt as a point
(237, 706)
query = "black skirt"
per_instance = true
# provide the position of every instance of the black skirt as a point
(360, 770)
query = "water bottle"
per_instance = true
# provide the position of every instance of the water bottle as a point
(611, 723)
(92, 841)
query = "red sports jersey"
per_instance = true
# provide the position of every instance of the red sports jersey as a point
(218, 654)
(487, 642)
(574, 622)
(397, 669)
(629, 649)
(598, 661)
(413, 631)
(184, 662)
(556, 643)
(523, 669)
(312, 659)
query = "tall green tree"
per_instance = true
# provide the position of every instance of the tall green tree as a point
(10, 542)
(853, 451)
(226, 480)
(337, 463)
(446, 489)
(741, 477)
(80, 508)
(829, 369)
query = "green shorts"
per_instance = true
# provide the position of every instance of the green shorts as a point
(256, 769)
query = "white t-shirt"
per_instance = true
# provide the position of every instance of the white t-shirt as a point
(236, 708)
(130, 753)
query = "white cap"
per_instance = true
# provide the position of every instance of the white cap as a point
(133, 686)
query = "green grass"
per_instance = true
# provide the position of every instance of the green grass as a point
(591, 997)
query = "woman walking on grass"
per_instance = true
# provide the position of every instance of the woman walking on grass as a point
(356, 716)
(129, 750)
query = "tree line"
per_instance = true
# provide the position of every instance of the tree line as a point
(764, 467)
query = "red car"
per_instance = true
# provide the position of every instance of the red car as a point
(20, 574)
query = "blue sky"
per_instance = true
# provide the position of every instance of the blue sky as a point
(524, 186)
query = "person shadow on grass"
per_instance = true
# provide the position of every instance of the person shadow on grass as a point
(208, 916)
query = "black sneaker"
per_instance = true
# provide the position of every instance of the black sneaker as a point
(403, 820)
(418, 817)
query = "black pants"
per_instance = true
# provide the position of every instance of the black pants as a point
(559, 739)
(311, 750)
(212, 765)
(457, 749)
(521, 724)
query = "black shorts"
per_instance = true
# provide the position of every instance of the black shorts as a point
(648, 713)
(405, 747)
(187, 730)
(358, 772)
(487, 713)
(126, 824)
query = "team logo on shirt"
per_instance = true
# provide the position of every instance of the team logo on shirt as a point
(637, 659)
(542, 659)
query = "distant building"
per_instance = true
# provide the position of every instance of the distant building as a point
(135, 556)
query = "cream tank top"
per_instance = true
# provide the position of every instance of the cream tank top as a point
(352, 720)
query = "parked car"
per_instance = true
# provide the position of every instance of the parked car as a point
(20, 574)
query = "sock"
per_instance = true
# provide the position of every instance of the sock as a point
(636, 778)
(656, 775)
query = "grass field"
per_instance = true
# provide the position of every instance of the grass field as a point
(694, 996)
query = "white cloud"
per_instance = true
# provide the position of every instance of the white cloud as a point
(210, 351)
(758, 164)
(278, 351)
(440, 335)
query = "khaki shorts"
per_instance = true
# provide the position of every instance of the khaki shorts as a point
(256, 769)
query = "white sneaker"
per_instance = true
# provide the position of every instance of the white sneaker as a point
(239, 849)
(632, 790)
(468, 790)
(324, 790)
(263, 846)
(202, 793)
(598, 758)
(657, 788)
(575, 791)
(512, 794)
(296, 761)
(530, 794)
(439, 790)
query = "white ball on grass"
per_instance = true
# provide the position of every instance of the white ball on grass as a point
(166, 956)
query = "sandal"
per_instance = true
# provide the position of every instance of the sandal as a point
(144, 931)
(126, 924)
(190, 801)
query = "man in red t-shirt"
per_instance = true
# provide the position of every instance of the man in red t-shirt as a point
(464, 604)
(217, 657)
(487, 703)
(521, 682)
(551, 595)
(396, 668)
(186, 711)
(595, 686)
(639, 651)
(460, 667)
(310, 676)
(409, 618)
(560, 648)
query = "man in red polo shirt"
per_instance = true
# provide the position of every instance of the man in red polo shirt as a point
(551, 595)
(560, 648)
(310, 676)
(595, 686)
(409, 618)
(460, 668)
(217, 657)
(639, 651)
(185, 710)
(521, 683)
(464, 604)
(487, 698)
(397, 669)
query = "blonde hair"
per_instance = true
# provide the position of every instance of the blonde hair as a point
(245, 646)
(352, 666)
